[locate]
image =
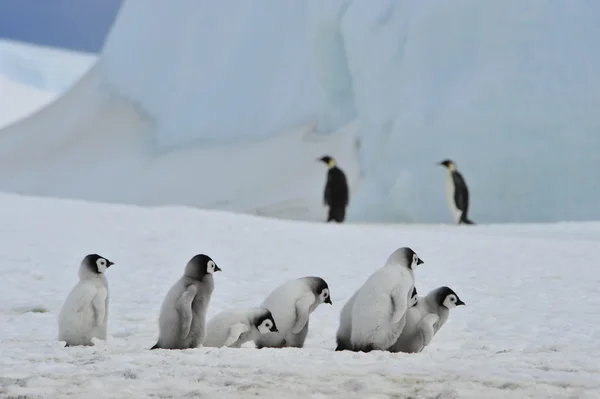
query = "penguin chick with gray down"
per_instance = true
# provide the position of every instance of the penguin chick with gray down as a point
(84, 314)
(379, 309)
(291, 305)
(425, 319)
(234, 327)
(182, 320)
(345, 328)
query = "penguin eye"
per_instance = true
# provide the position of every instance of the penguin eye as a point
(101, 262)
(452, 298)
(268, 324)
(325, 293)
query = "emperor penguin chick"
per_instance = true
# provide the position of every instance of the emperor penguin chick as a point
(235, 326)
(291, 305)
(379, 309)
(84, 314)
(182, 320)
(345, 328)
(425, 319)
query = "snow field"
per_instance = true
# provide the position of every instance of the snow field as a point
(529, 329)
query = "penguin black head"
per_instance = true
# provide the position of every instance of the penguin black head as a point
(328, 160)
(201, 265)
(408, 257)
(448, 164)
(265, 323)
(320, 288)
(97, 263)
(446, 297)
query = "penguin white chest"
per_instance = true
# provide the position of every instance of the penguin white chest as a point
(456, 213)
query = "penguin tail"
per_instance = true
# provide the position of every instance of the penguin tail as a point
(155, 346)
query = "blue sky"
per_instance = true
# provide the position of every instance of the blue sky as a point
(74, 24)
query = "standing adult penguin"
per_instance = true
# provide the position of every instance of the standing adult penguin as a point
(425, 319)
(457, 193)
(182, 320)
(336, 194)
(84, 314)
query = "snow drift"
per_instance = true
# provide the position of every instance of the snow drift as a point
(508, 90)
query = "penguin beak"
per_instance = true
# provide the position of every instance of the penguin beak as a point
(109, 263)
(274, 329)
(459, 302)
(419, 261)
(217, 268)
(328, 300)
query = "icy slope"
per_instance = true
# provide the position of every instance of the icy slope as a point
(508, 90)
(18, 101)
(529, 329)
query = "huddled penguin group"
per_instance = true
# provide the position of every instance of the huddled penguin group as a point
(385, 313)
(336, 195)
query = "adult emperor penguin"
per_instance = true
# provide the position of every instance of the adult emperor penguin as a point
(336, 194)
(379, 309)
(182, 320)
(457, 193)
(425, 319)
(84, 314)
(235, 326)
(291, 305)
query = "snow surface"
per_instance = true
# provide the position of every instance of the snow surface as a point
(18, 101)
(529, 329)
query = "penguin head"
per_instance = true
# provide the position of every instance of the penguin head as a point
(446, 297)
(448, 164)
(406, 257)
(325, 296)
(265, 323)
(320, 288)
(413, 298)
(328, 160)
(199, 266)
(98, 264)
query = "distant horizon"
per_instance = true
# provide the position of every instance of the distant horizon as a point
(81, 25)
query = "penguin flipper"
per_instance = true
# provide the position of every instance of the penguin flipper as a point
(184, 307)
(426, 329)
(99, 305)
(234, 333)
(302, 311)
(399, 304)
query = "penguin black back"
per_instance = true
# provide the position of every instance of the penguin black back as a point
(461, 191)
(336, 194)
